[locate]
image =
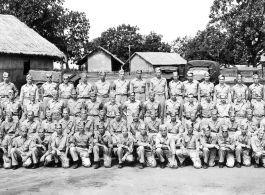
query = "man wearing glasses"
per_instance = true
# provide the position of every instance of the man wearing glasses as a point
(46, 90)
(5, 86)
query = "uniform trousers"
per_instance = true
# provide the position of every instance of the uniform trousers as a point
(146, 156)
(83, 153)
(58, 156)
(184, 153)
(161, 98)
(17, 155)
(164, 154)
(245, 154)
(5, 160)
(259, 156)
(106, 155)
(123, 155)
(229, 154)
(209, 155)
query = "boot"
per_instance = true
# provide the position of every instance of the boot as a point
(15, 167)
(205, 166)
(141, 166)
(56, 165)
(35, 166)
(120, 165)
(181, 165)
(256, 165)
(75, 165)
(238, 165)
(96, 165)
(221, 165)
(162, 165)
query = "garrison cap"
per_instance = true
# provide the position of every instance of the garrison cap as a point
(206, 74)
(175, 74)
(5, 74)
(121, 71)
(65, 76)
(158, 69)
(190, 73)
(29, 76)
(102, 72)
(221, 75)
(139, 71)
(48, 74)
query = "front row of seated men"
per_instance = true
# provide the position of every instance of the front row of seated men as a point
(171, 147)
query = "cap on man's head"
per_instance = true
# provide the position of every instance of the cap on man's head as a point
(102, 72)
(29, 76)
(175, 74)
(121, 71)
(158, 69)
(48, 74)
(190, 73)
(221, 76)
(65, 76)
(206, 74)
(92, 93)
(73, 92)
(83, 75)
(224, 128)
(139, 71)
(5, 74)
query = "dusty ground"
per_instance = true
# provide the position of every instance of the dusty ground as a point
(131, 180)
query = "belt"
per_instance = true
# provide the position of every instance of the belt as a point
(104, 96)
(110, 116)
(122, 94)
(74, 114)
(83, 97)
(50, 96)
(81, 146)
(140, 92)
(65, 98)
(160, 94)
(92, 115)
(258, 115)
(223, 117)
(4, 96)
(193, 96)
(206, 116)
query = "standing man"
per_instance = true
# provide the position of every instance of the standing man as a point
(46, 90)
(65, 90)
(206, 107)
(223, 108)
(258, 147)
(256, 88)
(5, 86)
(159, 86)
(92, 106)
(111, 107)
(26, 89)
(102, 88)
(258, 107)
(139, 87)
(190, 87)
(222, 89)
(121, 87)
(84, 88)
(75, 105)
(55, 106)
(173, 105)
(176, 87)
(205, 88)
(239, 90)
(151, 105)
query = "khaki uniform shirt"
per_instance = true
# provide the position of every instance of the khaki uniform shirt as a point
(105, 123)
(168, 141)
(240, 109)
(158, 86)
(5, 87)
(124, 141)
(190, 109)
(83, 90)
(21, 143)
(258, 108)
(229, 140)
(132, 107)
(191, 87)
(92, 107)
(48, 88)
(56, 107)
(191, 141)
(176, 87)
(206, 140)
(252, 125)
(144, 140)
(37, 140)
(222, 90)
(12, 107)
(121, 87)
(105, 139)
(32, 126)
(240, 90)
(174, 127)
(75, 107)
(117, 126)
(103, 88)
(223, 109)
(26, 90)
(256, 89)
(149, 106)
(111, 109)
(214, 125)
(60, 142)
(257, 144)
(48, 126)
(153, 126)
(172, 106)
(65, 90)
(206, 109)
(89, 124)
(68, 125)
(135, 127)
(196, 124)
(10, 127)
(233, 126)
(205, 88)
(32, 106)
(83, 140)
(246, 140)
(138, 86)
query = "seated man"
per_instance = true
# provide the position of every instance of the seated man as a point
(116, 126)
(81, 146)
(146, 148)
(102, 142)
(101, 120)
(124, 148)
(190, 148)
(39, 146)
(233, 125)
(20, 149)
(10, 127)
(59, 149)
(173, 105)
(227, 148)
(195, 122)
(223, 108)
(165, 148)
(67, 122)
(48, 125)
(209, 147)
(214, 122)
(174, 125)
(153, 124)
(243, 148)
(5, 144)
(258, 148)
(31, 124)
(151, 105)
(134, 127)
(250, 122)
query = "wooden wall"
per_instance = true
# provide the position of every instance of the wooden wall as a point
(14, 65)
(99, 61)
(139, 63)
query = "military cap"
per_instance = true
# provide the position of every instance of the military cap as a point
(158, 69)
(48, 74)
(93, 93)
(65, 76)
(29, 76)
(102, 73)
(5, 74)
(121, 71)
(206, 74)
(190, 73)
(221, 75)
(139, 71)
(175, 74)
(73, 92)
(224, 128)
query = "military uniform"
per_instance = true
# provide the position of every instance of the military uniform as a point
(121, 88)
(223, 112)
(123, 152)
(159, 87)
(106, 141)
(189, 109)
(116, 128)
(252, 125)
(224, 151)
(47, 92)
(25, 93)
(105, 123)
(65, 91)
(134, 128)
(174, 127)
(240, 109)
(112, 108)
(103, 90)
(149, 107)
(206, 111)
(139, 87)
(35, 107)
(258, 148)
(68, 125)
(92, 108)
(242, 140)
(48, 126)
(131, 107)
(191, 88)
(220, 90)
(240, 90)
(75, 107)
(5, 144)
(11, 128)
(83, 145)
(205, 88)
(38, 152)
(209, 152)
(5, 88)
(14, 107)
(258, 108)
(173, 107)
(256, 89)
(176, 88)
(56, 108)
(89, 124)
(83, 91)
(32, 127)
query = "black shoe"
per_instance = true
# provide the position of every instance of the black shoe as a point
(15, 167)
(1, 165)
(75, 166)
(256, 165)
(238, 165)
(162, 165)
(56, 165)
(181, 165)
(141, 166)
(96, 165)
(120, 165)
(221, 165)
(205, 166)
(35, 166)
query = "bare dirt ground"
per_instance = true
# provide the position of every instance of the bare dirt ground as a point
(132, 180)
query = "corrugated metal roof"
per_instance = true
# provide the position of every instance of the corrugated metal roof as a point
(17, 38)
(161, 58)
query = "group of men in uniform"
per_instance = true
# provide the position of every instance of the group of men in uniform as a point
(148, 121)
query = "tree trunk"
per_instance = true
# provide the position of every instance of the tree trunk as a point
(254, 59)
